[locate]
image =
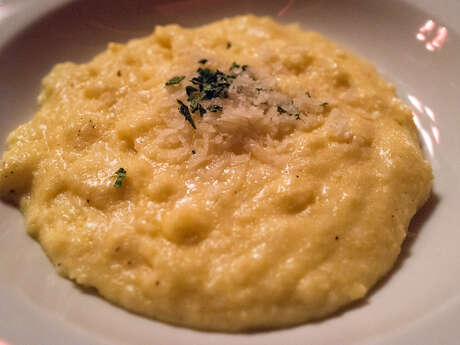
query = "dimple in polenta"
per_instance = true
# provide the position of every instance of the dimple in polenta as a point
(288, 197)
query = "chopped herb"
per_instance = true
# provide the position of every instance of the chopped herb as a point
(183, 109)
(214, 108)
(234, 66)
(194, 99)
(120, 174)
(189, 90)
(175, 80)
(207, 85)
(281, 110)
(193, 152)
(211, 84)
(201, 109)
(229, 45)
(308, 94)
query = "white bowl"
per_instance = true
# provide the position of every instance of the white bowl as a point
(415, 44)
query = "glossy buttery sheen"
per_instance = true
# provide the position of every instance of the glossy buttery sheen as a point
(255, 219)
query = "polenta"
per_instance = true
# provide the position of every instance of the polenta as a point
(239, 175)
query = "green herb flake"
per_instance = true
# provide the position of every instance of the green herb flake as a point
(175, 80)
(207, 85)
(183, 109)
(239, 69)
(211, 84)
(281, 110)
(214, 108)
(194, 102)
(229, 45)
(234, 66)
(190, 90)
(120, 176)
(202, 110)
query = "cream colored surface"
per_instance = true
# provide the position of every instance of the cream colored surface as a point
(262, 227)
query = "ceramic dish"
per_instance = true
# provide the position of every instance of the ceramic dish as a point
(414, 44)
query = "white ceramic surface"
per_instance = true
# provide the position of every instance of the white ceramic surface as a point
(415, 44)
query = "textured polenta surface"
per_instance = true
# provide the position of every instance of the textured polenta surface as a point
(253, 219)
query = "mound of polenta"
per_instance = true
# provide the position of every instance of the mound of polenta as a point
(235, 176)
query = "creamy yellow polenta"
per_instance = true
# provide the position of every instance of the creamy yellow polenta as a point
(287, 202)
